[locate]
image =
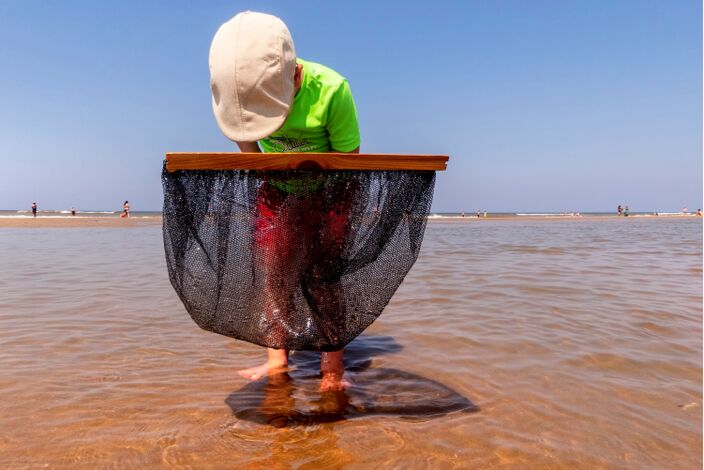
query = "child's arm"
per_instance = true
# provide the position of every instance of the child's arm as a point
(249, 147)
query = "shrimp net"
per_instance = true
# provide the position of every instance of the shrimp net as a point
(299, 259)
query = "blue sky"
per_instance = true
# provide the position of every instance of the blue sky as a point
(541, 105)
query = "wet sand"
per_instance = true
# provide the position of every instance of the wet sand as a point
(79, 222)
(511, 344)
(149, 221)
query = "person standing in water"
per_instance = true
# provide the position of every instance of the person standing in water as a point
(267, 100)
(125, 209)
(34, 209)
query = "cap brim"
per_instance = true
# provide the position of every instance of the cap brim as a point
(255, 128)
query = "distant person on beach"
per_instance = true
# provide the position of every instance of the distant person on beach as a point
(699, 212)
(619, 210)
(253, 56)
(625, 211)
(34, 209)
(73, 211)
(125, 209)
(479, 213)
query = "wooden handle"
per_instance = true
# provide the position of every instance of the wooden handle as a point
(302, 161)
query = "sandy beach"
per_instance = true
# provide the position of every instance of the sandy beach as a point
(79, 222)
(156, 220)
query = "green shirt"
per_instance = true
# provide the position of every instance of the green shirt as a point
(322, 118)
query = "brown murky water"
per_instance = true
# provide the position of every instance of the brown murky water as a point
(561, 344)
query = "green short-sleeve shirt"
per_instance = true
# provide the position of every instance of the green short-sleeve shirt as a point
(323, 117)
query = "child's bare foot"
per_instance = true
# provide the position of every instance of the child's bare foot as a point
(334, 382)
(268, 368)
(277, 362)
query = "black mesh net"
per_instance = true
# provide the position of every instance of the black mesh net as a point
(301, 260)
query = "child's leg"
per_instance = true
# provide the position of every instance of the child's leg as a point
(275, 249)
(333, 237)
(333, 368)
(283, 236)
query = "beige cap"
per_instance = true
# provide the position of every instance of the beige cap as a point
(252, 63)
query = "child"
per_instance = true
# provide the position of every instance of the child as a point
(266, 99)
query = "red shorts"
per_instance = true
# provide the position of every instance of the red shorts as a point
(315, 220)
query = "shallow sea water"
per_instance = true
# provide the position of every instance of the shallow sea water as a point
(512, 344)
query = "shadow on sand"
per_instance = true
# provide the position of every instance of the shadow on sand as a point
(293, 398)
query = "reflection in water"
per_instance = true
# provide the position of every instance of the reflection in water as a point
(293, 399)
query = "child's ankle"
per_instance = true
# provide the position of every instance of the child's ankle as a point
(277, 362)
